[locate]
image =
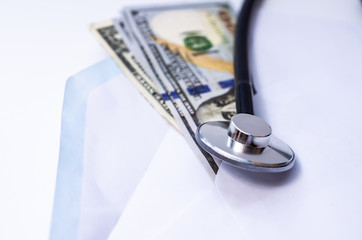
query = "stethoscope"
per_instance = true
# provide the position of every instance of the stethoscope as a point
(246, 141)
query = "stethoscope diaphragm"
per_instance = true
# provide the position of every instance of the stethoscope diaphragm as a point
(246, 142)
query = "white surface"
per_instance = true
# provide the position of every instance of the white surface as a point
(42, 44)
(309, 84)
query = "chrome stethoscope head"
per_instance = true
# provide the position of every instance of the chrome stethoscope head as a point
(246, 140)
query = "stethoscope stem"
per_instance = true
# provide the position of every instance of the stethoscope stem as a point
(246, 141)
(243, 84)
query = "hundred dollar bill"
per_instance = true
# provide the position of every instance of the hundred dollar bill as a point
(190, 47)
(109, 38)
(121, 25)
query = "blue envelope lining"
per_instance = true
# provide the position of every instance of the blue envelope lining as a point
(67, 199)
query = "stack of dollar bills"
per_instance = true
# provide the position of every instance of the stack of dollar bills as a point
(180, 58)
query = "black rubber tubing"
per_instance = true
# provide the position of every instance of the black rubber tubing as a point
(243, 85)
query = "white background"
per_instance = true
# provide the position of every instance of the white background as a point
(42, 43)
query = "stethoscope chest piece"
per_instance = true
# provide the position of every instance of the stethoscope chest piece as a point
(246, 142)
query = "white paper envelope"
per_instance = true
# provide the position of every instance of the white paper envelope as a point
(176, 199)
(109, 135)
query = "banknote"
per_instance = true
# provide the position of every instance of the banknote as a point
(112, 41)
(190, 47)
(122, 26)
